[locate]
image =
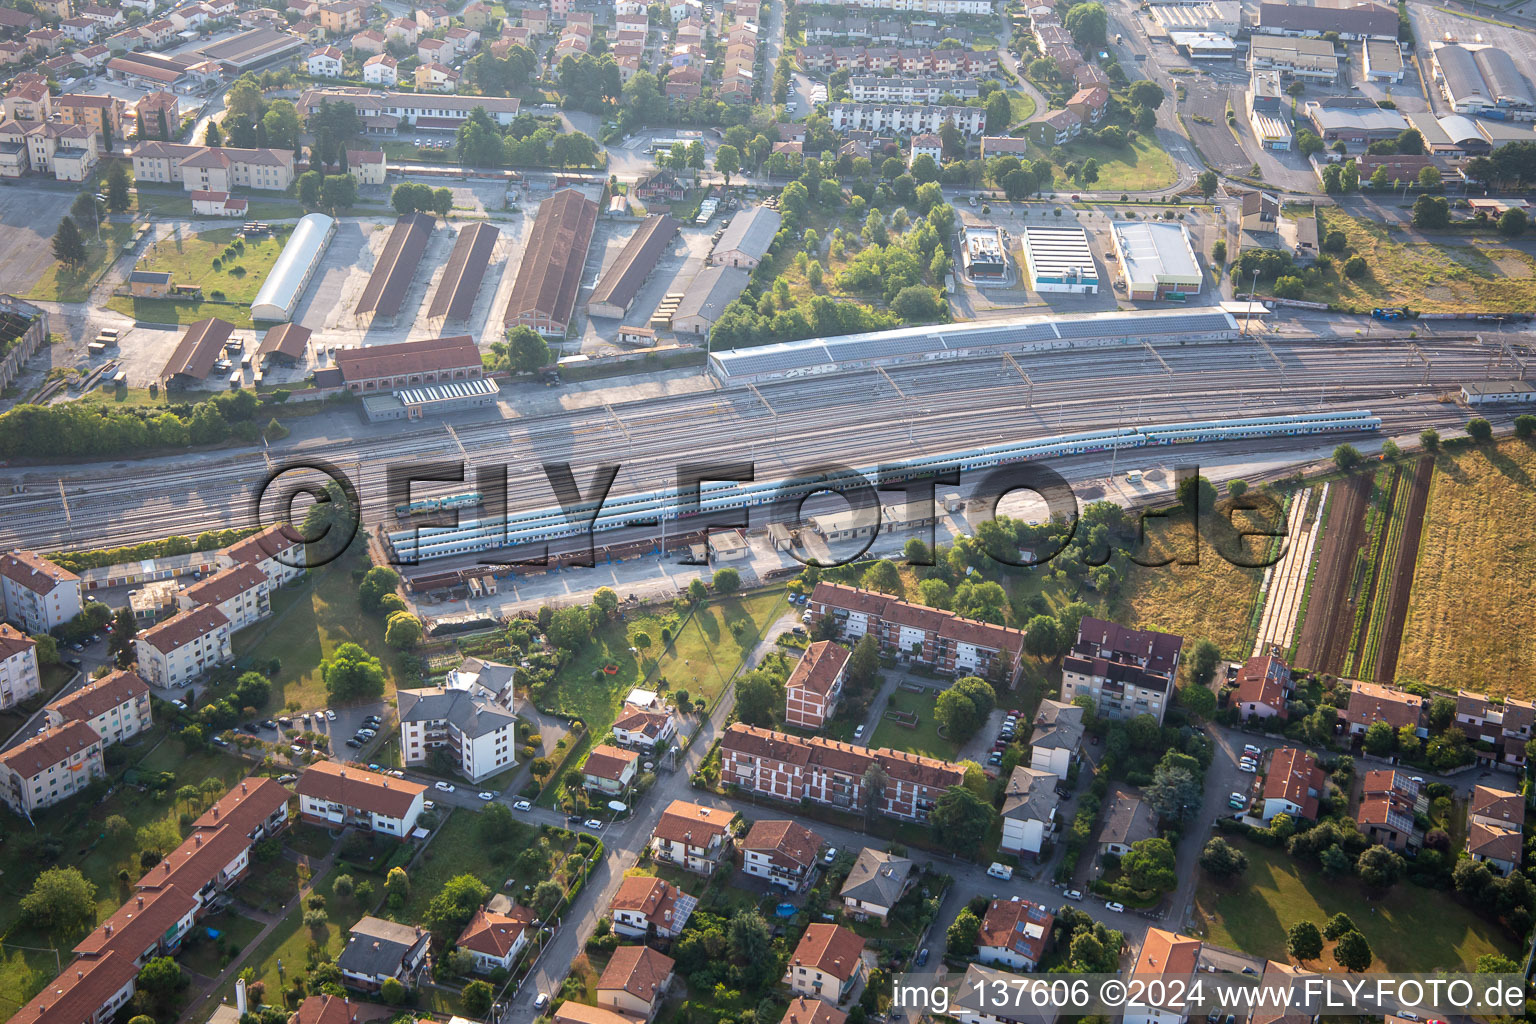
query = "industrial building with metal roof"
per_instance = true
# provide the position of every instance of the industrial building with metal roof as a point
(456, 292)
(1156, 259)
(385, 291)
(968, 340)
(253, 49)
(1476, 80)
(295, 266)
(418, 403)
(544, 294)
(746, 239)
(285, 342)
(196, 353)
(619, 285)
(706, 297)
(1060, 260)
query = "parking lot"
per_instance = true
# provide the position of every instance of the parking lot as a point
(1205, 101)
(28, 219)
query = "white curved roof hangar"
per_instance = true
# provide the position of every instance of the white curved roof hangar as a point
(290, 275)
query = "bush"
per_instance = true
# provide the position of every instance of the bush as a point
(1355, 267)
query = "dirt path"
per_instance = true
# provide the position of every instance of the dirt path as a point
(1325, 631)
(1353, 666)
(1402, 576)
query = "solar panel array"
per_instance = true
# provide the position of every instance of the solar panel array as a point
(447, 392)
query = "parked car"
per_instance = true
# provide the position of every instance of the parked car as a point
(858, 732)
(330, 716)
(219, 741)
(1118, 908)
(1248, 766)
(443, 787)
(1073, 894)
(541, 1001)
(179, 705)
(830, 855)
(486, 795)
(269, 724)
(287, 779)
(922, 956)
(428, 805)
(354, 742)
(593, 824)
(522, 805)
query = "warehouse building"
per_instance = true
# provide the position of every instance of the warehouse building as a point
(1269, 111)
(1223, 16)
(1351, 20)
(409, 364)
(1483, 81)
(1499, 392)
(384, 293)
(436, 400)
(1354, 120)
(1157, 260)
(1060, 260)
(200, 347)
(1383, 61)
(746, 239)
(1310, 59)
(254, 49)
(706, 297)
(617, 288)
(983, 256)
(544, 294)
(284, 343)
(460, 285)
(295, 268)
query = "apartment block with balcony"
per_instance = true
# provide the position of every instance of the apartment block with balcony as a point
(1127, 672)
(116, 706)
(52, 766)
(184, 646)
(36, 594)
(476, 734)
(19, 675)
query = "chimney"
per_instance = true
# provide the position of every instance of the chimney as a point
(141, 902)
(242, 787)
(240, 1004)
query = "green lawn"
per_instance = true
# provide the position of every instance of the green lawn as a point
(457, 850)
(165, 311)
(308, 623)
(925, 739)
(702, 658)
(190, 259)
(203, 954)
(1140, 167)
(1412, 929)
(171, 202)
(74, 830)
(1021, 106)
(60, 284)
(291, 941)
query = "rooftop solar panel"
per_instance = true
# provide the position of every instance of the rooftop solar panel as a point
(876, 347)
(1110, 327)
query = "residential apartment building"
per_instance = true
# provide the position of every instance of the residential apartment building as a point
(915, 633)
(52, 766)
(1164, 956)
(815, 686)
(1264, 681)
(241, 593)
(1507, 725)
(116, 707)
(325, 62)
(19, 675)
(335, 795)
(1057, 737)
(67, 151)
(692, 837)
(184, 646)
(876, 883)
(104, 114)
(213, 169)
(1127, 672)
(906, 118)
(381, 69)
(277, 551)
(645, 904)
(1495, 828)
(827, 964)
(1389, 799)
(1029, 810)
(884, 60)
(783, 852)
(792, 769)
(36, 594)
(867, 89)
(1294, 784)
(1372, 702)
(1014, 934)
(476, 734)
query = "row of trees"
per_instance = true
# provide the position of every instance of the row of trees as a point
(74, 429)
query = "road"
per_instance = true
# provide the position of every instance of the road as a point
(782, 426)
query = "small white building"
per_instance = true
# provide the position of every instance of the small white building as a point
(1501, 392)
(645, 902)
(381, 69)
(325, 62)
(782, 852)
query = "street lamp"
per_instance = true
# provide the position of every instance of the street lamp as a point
(96, 211)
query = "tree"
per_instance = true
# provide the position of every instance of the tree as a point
(956, 715)
(1347, 457)
(1309, 143)
(758, 700)
(392, 991)
(1512, 224)
(1174, 792)
(960, 820)
(999, 112)
(121, 640)
(1221, 860)
(917, 303)
(338, 192)
(1429, 178)
(477, 998)
(1203, 661)
(160, 977)
(403, 631)
(1355, 267)
(1147, 93)
(68, 243)
(1043, 637)
(864, 662)
(726, 580)
(727, 161)
(1525, 426)
(213, 136)
(397, 884)
(961, 937)
(1479, 430)
(697, 591)
(751, 941)
(1431, 212)
(453, 906)
(1379, 867)
(1304, 941)
(1429, 438)
(1208, 182)
(1337, 926)
(1149, 865)
(1380, 739)
(606, 600)
(377, 582)
(546, 896)
(60, 901)
(352, 674)
(1496, 963)
(884, 577)
(526, 350)
(1352, 952)
(570, 629)
(118, 197)
(935, 593)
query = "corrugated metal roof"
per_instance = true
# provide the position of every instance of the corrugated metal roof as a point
(456, 292)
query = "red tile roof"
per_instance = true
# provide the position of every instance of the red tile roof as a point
(351, 786)
(607, 762)
(227, 583)
(646, 895)
(261, 546)
(1371, 702)
(183, 628)
(139, 923)
(1262, 680)
(48, 748)
(638, 970)
(325, 1010)
(32, 570)
(1292, 773)
(1017, 925)
(819, 668)
(683, 822)
(790, 842)
(495, 934)
(13, 641)
(830, 948)
(76, 996)
(101, 695)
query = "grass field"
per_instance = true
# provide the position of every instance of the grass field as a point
(1412, 929)
(1140, 167)
(60, 284)
(1482, 275)
(1476, 566)
(925, 739)
(77, 830)
(243, 264)
(164, 311)
(456, 851)
(1021, 106)
(308, 623)
(291, 942)
(174, 202)
(1211, 599)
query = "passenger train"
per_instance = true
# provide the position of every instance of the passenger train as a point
(536, 527)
